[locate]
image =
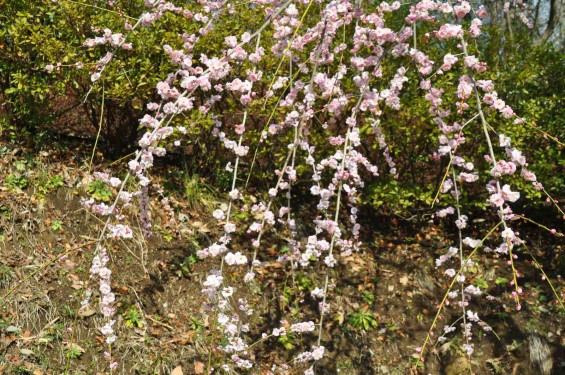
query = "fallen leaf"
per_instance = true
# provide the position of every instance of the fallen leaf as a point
(12, 329)
(403, 280)
(177, 371)
(86, 312)
(26, 352)
(198, 368)
(204, 229)
(5, 341)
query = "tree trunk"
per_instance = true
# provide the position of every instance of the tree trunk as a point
(554, 21)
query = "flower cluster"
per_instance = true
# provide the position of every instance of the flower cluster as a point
(335, 89)
(99, 271)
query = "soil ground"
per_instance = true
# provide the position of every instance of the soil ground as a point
(384, 298)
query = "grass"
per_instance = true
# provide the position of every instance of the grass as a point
(199, 195)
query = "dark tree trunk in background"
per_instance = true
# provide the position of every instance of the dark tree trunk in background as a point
(555, 20)
(547, 15)
(119, 126)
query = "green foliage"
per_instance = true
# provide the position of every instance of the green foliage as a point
(57, 225)
(54, 333)
(304, 283)
(33, 33)
(368, 297)
(514, 346)
(530, 77)
(196, 324)
(132, 318)
(363, 319)
(287, 341)
(99, 190)
(481, 283)
(20, 165)
(167, 234)
(495, 365)
(69, 312)
(198, 194)
(36, 33)
(415, 362)
(397, 197)
(73, 351)
(47, 184)
(15, 181)
(184, 267)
